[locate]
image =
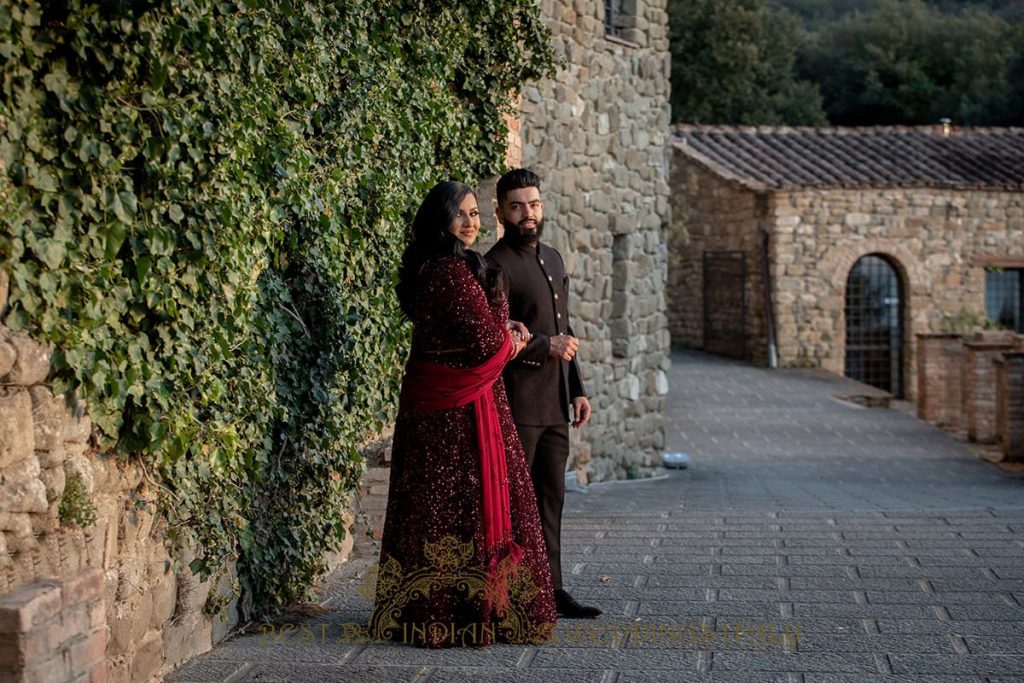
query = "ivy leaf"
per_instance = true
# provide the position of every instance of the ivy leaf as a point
(114, 239)
(44, 179)
(51, 252)
(57, 82)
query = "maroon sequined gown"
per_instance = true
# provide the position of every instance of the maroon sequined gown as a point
(432, 561)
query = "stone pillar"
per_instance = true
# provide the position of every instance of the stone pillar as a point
(1011, 405)
(934, 375)
(53, 631)
(980, 399)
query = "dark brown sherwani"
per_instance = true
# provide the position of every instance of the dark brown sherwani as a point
(541, 388)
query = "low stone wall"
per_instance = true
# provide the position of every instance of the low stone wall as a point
(974, 388)
(1011, 408)
(54, 631)
(154, 609)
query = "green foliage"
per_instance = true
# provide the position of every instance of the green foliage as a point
(732, 63)
(907, 63)
(860, 62)
(76, 507)
(966, 323)
(203, 204)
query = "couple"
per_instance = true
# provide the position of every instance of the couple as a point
(466, 559)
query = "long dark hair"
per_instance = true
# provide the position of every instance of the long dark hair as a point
(431, 239)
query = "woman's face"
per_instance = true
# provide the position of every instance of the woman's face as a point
(466, 225)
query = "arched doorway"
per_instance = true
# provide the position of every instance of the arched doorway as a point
(874, 324)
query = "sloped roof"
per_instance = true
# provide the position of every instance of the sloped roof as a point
(766, 158)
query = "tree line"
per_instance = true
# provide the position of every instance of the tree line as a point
(859, 62)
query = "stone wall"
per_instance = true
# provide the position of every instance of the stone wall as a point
(1011, 405)
(710, 215)
(981, 398)
(940, 380)
(597, 135)
(989, 408)
(154, 616)
(939, 241)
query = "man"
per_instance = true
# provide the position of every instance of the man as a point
(544, 378)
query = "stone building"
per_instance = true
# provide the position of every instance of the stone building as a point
(834, 248)
(597, 134)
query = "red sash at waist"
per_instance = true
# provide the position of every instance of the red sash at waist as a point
(431, 386)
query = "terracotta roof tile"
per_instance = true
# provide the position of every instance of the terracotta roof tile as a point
(785, 158)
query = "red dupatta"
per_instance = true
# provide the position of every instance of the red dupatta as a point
(432, 386)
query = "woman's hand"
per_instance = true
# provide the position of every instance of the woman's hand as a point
(520, 336)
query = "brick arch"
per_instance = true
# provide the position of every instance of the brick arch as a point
(839, 260)
(836, 267)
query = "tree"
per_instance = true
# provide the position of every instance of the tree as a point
(907, 63)
(732, 63)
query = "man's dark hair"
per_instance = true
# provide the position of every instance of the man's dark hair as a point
(516, 179)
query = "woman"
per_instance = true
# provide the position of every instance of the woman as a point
(462, 558)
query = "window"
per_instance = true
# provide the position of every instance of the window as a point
(610, 7)
(1004, 297)
(620, 19)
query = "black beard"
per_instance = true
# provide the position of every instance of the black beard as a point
(522, 238)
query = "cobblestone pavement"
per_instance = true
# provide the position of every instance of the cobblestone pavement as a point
(811, 540)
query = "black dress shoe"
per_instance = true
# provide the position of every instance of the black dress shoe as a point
(570, 609)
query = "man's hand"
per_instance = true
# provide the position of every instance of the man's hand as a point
(563, 346)
(581, 411)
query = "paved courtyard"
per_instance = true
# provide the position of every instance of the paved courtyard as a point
(811, 540)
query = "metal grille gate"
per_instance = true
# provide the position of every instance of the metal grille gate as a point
(725, 306)
(874, 325)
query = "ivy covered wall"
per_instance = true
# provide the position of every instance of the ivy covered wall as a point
(202, 205)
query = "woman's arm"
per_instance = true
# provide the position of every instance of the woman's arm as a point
(458, 310)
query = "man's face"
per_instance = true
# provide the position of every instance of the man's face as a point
(522, 214)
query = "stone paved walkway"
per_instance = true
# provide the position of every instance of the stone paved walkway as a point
(810, 541)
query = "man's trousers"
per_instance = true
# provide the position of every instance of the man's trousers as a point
(547, 451)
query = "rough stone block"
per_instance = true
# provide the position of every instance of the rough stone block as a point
(30, 606)
(80, 465)
(86, 652)
(29, 496)
(33, 362)
(85, 587)
(148, 659)
(7, 357)
(74, 623)
(47, 522)
(52, 459)
(53, 479)
(164, 595)
(22, 471)
(131, 620)
(48, 416)
(47, 671)
(77, 430)
(16, 439)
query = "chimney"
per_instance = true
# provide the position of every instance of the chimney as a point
(947, 126)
